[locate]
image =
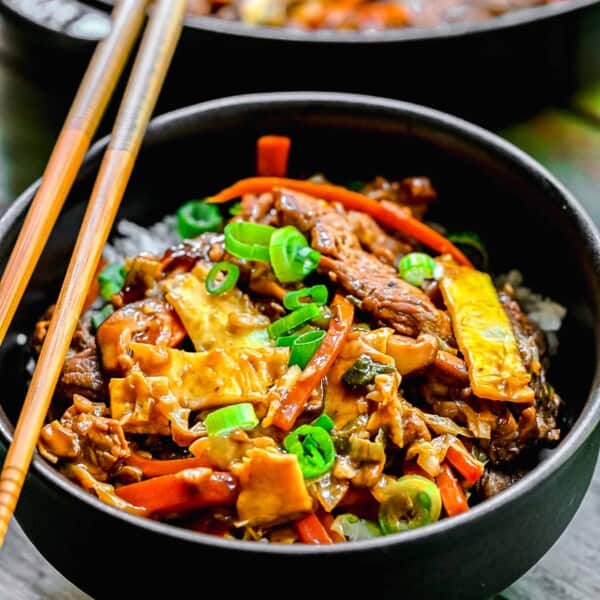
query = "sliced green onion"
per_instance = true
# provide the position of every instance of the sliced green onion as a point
(411, 501)
(248, 240)
(317, 294)
(217, 284)
(99, 316)
(237, 416)
(235, 209)
(416, 267)
(292, 259)
(314, 448)
(471, 245)
(111, 280)
(304, 347)
(355, 529)
(293, 320)
(285, 341)
(324, 421)
(196, 217)
(364, 370)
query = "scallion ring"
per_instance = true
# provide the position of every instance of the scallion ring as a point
(216, 283)
(317, 294)
(324, 421)
(196, 217)
(314, 448)
(411, 501)
(304, 347)
(293, 320)
(224, 420)
(285, 341)
(248, 240)
(292, 259)
(416, 267)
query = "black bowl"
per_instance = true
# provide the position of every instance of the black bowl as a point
(529, 221)
(492, 71)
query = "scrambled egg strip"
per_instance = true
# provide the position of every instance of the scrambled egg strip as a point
(201, 380)
(484, 335)
(215, 321)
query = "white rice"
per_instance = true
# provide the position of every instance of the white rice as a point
(544, 312)
(132, 239)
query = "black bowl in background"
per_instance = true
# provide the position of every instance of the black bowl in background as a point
(492, 72)
(528, 220)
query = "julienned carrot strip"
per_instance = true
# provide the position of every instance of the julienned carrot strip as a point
(468, 466)
(293, 404)
(184, 491)
(327, 521)
(388, 216)
(152, 467)
(453, 496)
(311, 531)
(272, 153)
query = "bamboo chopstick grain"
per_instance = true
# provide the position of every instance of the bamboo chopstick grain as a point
(149, 71)
(97, 86)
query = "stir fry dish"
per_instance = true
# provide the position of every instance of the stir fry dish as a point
(310, 363)
(358, 14)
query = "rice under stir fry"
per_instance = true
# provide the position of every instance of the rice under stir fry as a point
(295, 361)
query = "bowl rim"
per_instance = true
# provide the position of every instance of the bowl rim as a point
(472, 134)
(508, 20)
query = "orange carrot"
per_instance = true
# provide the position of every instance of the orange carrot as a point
(468, 466)
(272, 153)
(327, 521)
(391, 217)
(184, 491)
(311, 531)
(453, 496)
(293, 404)
(152, 467)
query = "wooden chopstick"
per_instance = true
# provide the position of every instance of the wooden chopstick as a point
(149, 71)
(90, 102)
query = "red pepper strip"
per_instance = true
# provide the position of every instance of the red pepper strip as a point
(293, 404)
(468, 466)
(388, 216)
(152, 467)
(272, 153)
(453, 496)
(311, 531)
(184, 491)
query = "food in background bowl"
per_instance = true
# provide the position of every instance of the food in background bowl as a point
(358, 14)
(313, 363)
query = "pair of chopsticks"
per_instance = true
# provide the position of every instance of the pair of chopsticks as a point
(144, 85)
